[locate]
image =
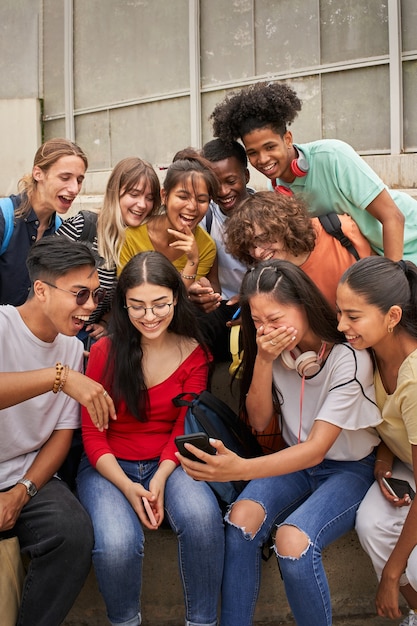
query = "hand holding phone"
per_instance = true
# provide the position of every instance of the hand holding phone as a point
(398, 488)
(199, 440)
(149, 511)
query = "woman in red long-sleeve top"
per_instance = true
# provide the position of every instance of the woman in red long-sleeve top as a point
(153, 353)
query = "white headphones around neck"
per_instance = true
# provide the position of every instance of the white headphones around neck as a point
(305, 363)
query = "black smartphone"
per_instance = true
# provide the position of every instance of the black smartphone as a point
(199, 440)
(398, 487)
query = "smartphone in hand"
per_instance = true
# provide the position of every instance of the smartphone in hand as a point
(199, 440)
(149, 511)
(398, 488)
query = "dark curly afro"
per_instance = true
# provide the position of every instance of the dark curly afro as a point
(257, 106)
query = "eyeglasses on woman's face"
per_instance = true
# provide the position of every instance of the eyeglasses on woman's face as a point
(83, 294)
(137, 311)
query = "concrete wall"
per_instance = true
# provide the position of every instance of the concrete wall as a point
(20, 132)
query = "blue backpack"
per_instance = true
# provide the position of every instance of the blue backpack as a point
(209, 414)
(7, 208)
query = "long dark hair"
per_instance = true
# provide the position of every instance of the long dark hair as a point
(385, 283)
(288, 284)
(124, 372)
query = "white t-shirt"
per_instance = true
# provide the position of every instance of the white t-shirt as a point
(341, 393)
(26, 426)
(231, 271)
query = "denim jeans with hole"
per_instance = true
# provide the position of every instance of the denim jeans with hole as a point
(322, 502)
(194, 515)
(55, 532)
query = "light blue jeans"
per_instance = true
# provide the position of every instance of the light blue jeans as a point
(322, 502)
(194, 515)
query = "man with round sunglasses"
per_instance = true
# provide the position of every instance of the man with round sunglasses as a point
(41, 389)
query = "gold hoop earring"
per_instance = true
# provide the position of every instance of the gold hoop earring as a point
(390, 329)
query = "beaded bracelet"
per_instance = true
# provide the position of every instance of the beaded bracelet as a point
(63, 378)
(59, 367)
(189, 276)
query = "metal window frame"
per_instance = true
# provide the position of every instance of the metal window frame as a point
(394, 60)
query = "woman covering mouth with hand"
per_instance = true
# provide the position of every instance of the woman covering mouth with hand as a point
(189, 185)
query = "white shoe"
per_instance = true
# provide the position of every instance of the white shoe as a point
(410, 620)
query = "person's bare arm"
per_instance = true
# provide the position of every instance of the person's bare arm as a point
(384, 209)
(16, 387)
(46, 464)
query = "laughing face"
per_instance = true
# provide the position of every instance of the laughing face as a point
(187, 202)
(363, 324)
(60, 303)
(58, 186)
(232, 177)
(136, 203)
(264, 248)
(270, 153)
(150, 309)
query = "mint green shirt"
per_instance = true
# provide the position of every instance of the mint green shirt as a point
(339, 180)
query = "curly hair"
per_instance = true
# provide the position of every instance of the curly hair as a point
(283, 218)
(257, 106)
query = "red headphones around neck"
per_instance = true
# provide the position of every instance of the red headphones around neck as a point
(299, 168)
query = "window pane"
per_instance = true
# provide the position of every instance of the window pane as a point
(92, 133)
(353, 29)
(226, 40)
(286, 34)
(128, 50)
(53, 57)
(154, 132)
(410, 109)
(409, 24)
(54, 128)
(356, 108)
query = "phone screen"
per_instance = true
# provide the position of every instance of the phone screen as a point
(398, 487)
(199, 440)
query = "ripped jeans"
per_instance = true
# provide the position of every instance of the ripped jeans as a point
(322, 502)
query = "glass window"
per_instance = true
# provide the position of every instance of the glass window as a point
(154, 132)
(53, 57)
(93, 135)
(226, 40)
(410, 109)
(353, 29)
(129, 50)
(286, 34)
(409, 25)
(356, 108)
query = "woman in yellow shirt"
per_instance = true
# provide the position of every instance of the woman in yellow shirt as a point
(189, 186)
(377, 302)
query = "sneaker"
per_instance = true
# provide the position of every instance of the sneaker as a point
(411, 620)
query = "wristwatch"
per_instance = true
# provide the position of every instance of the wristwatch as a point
(31, 488)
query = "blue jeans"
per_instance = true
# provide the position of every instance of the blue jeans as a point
(56, 533)
(194, 515)
(322, 502)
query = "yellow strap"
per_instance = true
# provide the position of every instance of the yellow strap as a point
(234, 349)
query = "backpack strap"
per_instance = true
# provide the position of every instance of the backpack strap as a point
(209, 219)
(7, 207)
(332, 225)
(89, 230)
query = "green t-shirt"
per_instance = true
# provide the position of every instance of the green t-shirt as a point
(339, 180)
